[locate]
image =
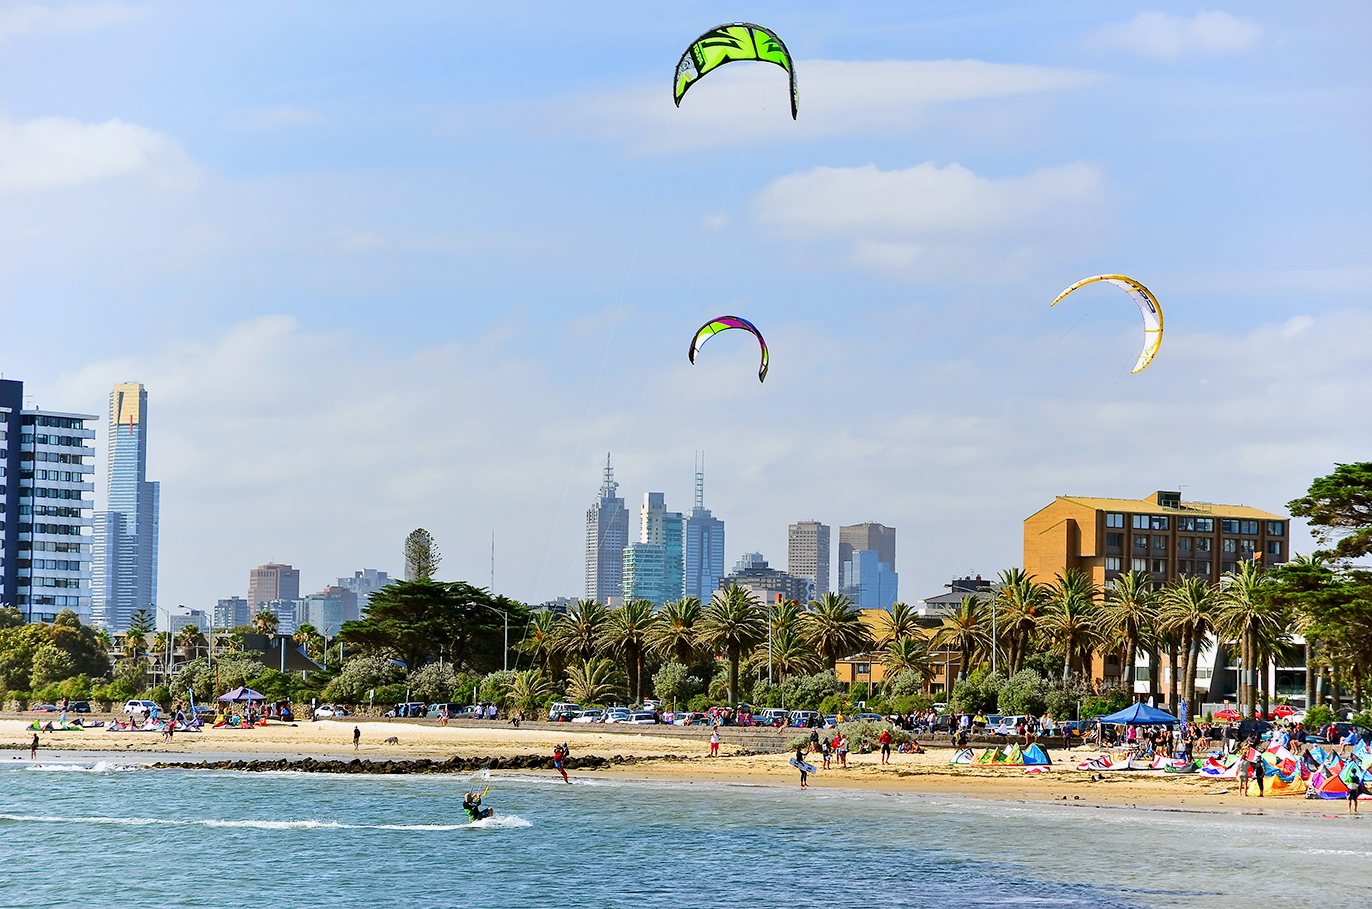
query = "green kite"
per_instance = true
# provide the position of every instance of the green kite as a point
(727, 43)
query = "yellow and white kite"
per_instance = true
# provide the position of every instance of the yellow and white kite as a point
(1148, 306)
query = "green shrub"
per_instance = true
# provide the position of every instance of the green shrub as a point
(909, 703)
(161, 696)
(978, 693)
(859, 692)
(1318, 717)
(807, 692)
(1025, 692)
(858, 731)
(700, 703)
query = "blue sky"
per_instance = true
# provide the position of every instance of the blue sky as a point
(394, 265)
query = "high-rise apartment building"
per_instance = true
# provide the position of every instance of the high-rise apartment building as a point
(231, 612)
(55, 473)
(1159, 535)
(868, 581)
(607, 533)
(703, 548)
(124, 545)
(807, 555)
(11, 420)
(363, 584)
(270, 582)
(876, 537)
(654, 566)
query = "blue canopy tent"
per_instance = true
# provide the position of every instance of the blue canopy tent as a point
(1140, 714)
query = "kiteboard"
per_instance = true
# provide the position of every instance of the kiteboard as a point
(802, 765)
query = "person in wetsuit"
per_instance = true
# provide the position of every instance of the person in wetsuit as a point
(471, 803)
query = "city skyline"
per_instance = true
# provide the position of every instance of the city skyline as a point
(434, 290)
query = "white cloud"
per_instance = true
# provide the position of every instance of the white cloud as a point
(747, 103)
(895, 219)
(59, 152)
(31, 19)
(1162, 35)
(279, 118)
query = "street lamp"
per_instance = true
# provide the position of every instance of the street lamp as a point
(166, 667)
(506, 616)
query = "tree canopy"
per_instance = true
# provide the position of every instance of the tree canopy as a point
(1339, 509)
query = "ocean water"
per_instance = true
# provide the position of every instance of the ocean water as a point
(101, 834)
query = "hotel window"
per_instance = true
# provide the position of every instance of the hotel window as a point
(1184, 543)
(1205, 525)
(1184, 567)
(1228, 567)
(1140, 541)
(1158, 522)
(1112, 563)
(1114, 519)
(1249, 527)
(1203, 544)
(1229, 545)
(1203, 568)
(1114, 539)
(1229, 526)
(1140, 564)
(1140, 522)
(1274, 547)
(862, 668)
(1160, 542)
(1274, 528)
(1248, 547)
(1159, 566)
(1186, 523)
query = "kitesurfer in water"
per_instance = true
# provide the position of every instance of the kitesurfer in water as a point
(471, 803)
(559, 757)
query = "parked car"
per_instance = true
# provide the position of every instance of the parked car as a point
(642, 718)
(43, 708)
(328, 711)
(868, 716)
(453, 709)
(1281, 712)
(1342, 729)
(80, 707)
(204, 711)
(689, 718)
(147, 708)
(617, 715)
(413, 709)
(594, 715)
(803, 718)
(564, 715)
(770, 718)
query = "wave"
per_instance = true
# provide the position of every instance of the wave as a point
(501, 821)
(97, 767)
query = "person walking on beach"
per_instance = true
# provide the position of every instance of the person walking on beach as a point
(33, 748)
(801, 765)
(885, 740)
(714, 741)
(824, 750)
(357, 737)
(1356, 787)
(842, 750)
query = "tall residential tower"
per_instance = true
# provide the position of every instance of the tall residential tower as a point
(807, 555)
(704, 546)
(124, 557)
(607, 533)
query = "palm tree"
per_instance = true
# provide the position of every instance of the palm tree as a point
(1247, 615)
(1188, 609)
(1131, 609)
(593, 681)
(908, 654)
(1021, 600)
(673, 637)
(900, 623)
(788, 653)
(189, 640)
(1072, 617)
(626, 633)
(833, 625)
(539, 640)
(528, 689)
(266, 622)
(580, 629)
(733, 623)
(967, 630)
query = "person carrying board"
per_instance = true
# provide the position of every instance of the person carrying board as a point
(803, 766)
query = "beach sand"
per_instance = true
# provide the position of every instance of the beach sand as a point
(928, 773)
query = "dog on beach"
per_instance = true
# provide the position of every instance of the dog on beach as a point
(393, 740)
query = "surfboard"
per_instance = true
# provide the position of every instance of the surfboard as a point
(801, 765)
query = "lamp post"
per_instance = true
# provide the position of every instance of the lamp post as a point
(166, 666)
(506, 616)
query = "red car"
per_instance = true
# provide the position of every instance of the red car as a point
(1228, 716)
(1281, 712)
(43, 708)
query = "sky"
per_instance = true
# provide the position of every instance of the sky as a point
(387, 266)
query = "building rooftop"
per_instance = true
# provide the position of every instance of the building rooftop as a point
(1181, 508)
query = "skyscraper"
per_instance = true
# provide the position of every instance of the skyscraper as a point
(704, 546)
(653, 566)
(869, 582)
(271, 582)
(807, 555)
(11, 408)
(364, 583)
(877, 537)
(124, 547)
(607, 533)
(54, 569)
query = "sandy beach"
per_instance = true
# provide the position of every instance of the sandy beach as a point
(662, 758)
